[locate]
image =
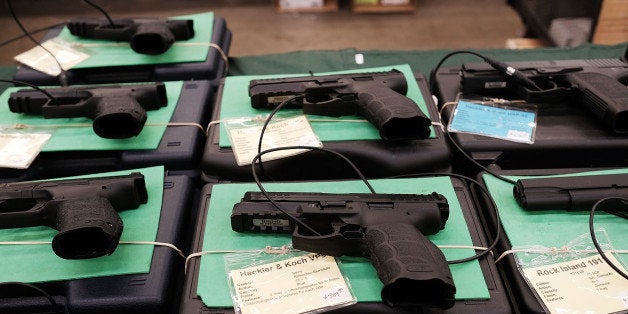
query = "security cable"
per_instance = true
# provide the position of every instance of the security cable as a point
(43, 91)
(257, 160)
(272, 201)
(475, 162)
(39, 30)
(503, 68)
(63, 80)
(358, 172)
(51, 300)
(493, 244)
(267, 121)
(525, 81)
(101, 11)
(594, 238)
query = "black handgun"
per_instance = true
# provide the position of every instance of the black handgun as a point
(378, 96)
(146, 35)
(573, 193)
(118, 111)
(388, 228)
(83, 210)
(598, 84)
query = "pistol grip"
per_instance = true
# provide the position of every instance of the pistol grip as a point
(88, 228)
(118, 117)
(414, 271)
(605, 97)
(396, 116)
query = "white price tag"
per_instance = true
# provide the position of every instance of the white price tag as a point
(41, 60)
(18, 150)
(586, 285)
(295, 285)
(295, 131)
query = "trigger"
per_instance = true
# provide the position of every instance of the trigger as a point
(341, 105)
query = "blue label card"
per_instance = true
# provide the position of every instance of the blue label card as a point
(494, 120)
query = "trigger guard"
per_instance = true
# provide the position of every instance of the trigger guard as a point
(334, 107)
(554, 94)
(333, 243)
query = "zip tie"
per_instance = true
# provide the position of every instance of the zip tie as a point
(337, 120)
(449, 103)
(169, 245)
(224, 57)
(442, 126)
(24, 242)
(285, 249)
(281, 250)
(479, 248)
(83, 125)
(164, 244)
(554, 250)
(222, 53)
(197, 254)
(268, 250)
(21, 126)
(211, 124)
(178, 124)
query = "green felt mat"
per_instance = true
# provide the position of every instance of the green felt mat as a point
(212, 280)
(237, 103)
(84, 138)
(103, 53)
(552, 228)
(38, 263)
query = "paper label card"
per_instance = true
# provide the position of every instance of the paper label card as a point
(507, 123)
(18, 150)
(299, 284)
(585, 285)
(42, 60)
(295, 131)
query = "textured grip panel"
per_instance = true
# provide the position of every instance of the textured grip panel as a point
(118, 117)
(414, 271)
(604, 97)
(396, 116)
(88, 228)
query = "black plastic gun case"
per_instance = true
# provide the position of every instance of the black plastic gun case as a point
(211, 223)
(179, 149)
(155, 291)
(212, 68)
(567, 135)
(549, 229)
(375, 158)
